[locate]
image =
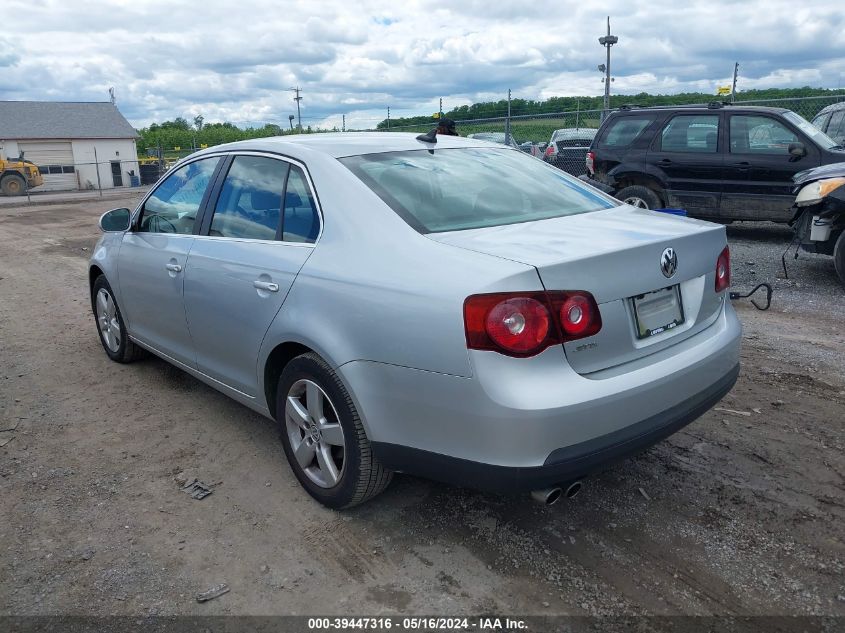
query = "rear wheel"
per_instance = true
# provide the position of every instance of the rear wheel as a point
(640, 197)
(13, 185)
(323, 437)
(839, 257)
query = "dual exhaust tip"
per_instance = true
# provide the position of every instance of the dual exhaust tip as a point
(551, 495)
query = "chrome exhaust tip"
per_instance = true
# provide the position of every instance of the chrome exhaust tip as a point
(547, 496)
(573, 489)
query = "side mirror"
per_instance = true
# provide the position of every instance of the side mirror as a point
(797, 150)
(115, 221)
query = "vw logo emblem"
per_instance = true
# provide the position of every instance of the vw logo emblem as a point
(668, 262)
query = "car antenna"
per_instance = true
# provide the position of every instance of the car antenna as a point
(429, 137)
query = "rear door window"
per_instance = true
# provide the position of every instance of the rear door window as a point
(622, 131)
(250, 201)
(301, 220)
(690, 133)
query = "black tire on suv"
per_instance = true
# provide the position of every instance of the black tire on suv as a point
(839, 257)
(640, 196)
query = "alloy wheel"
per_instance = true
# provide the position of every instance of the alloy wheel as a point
(107, 320)
(634, 201)
(315, 434)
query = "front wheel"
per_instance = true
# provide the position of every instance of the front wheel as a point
(13, 185)
(839, 257)
(110, 325)
(323, 437)
(640, 197)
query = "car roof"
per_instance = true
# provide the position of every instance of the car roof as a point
(341, 144)
(574, 132)
(833, 107)
(627, 110)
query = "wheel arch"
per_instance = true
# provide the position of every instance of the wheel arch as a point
(276, 361)
(640, 179)
(94, 272)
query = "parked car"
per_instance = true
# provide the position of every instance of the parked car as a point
(820, 213)
(495, 137)
(831, 121)
(454, 314)
(567, 149)
(720, 162)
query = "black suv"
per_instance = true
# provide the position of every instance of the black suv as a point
(721, 162)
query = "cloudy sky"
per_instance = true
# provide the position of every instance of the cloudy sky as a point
(236, 61)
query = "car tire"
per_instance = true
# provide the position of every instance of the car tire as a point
(110, 325)
(839, 257)
(324, 440)
(13, 185)
(640, 197)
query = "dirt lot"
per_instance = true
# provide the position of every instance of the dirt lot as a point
(743, 513)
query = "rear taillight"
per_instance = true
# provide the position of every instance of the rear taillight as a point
(525, 323)
(550, 149)
(591, 161)
(723, 270)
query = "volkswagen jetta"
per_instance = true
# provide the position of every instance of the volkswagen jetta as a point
(452, 309)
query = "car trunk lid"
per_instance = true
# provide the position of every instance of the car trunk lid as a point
(616, 254)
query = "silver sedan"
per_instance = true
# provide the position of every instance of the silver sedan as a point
(452, 309)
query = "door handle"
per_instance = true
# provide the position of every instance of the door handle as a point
(664, 162)
(743, 165)
(176, 268)
(269, 286)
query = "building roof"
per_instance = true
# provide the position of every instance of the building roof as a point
(62, 120)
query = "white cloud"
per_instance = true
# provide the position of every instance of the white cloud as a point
(237, 61)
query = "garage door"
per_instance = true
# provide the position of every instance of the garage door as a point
(55, 161)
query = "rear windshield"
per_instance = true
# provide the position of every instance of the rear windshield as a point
(622, 130)
(455, 189)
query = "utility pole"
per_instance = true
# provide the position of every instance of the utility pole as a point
(343, 128)
(298, 98)
(440, 115)
(733, 87)
(97, 167)
(508, 121)
(607, 41)
(388, 117)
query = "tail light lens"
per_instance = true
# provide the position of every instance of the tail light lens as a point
(723, 270)
(525, 323)
(591, 161)
(550, 149)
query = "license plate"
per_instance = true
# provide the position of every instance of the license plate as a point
(659, 311)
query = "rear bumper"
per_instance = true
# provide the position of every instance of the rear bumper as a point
(525, 423)
(562, 465)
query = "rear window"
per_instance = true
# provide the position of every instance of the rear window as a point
(456, 189)
(622, 131)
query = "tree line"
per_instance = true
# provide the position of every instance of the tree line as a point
(519, 107)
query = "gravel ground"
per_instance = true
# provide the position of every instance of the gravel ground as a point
(741, 513)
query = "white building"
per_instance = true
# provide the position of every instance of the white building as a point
(75, 145)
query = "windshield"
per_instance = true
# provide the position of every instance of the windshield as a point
(456, 189)
(810, 130)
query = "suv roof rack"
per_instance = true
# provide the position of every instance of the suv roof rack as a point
(711, 105)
